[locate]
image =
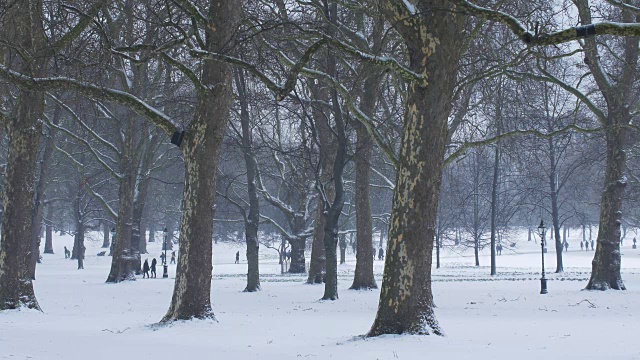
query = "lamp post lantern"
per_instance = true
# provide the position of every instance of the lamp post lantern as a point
(543, 280)
(165, 267)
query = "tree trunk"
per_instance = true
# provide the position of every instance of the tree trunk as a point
(23, 28)
(125, 262)
(297, 265)
(16, 288)
(201, 149)
(152, 231)
(105, 235)
(78, 244)
(317, 269)
(555, 209)
(253, 217)
(406, 300)
(605, 273)
(48, 242)
(343, 248)
(494, 207)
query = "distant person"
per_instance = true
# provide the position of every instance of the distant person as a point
(374, 252)
(592, 247)
(238, 257)
(67, 253)
(173, 257)
(162, 258)
(634, 243)
(380, 254)
(145, 269)
(581, 245)
(153, 267)
(499, 248)
(566, 245)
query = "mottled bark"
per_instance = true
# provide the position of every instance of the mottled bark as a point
(433, 44)
(125, 261)
(317, 264)
(201, 149)
(23, 26)
(297, 265)
(605, 272)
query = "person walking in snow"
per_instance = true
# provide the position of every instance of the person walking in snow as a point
(238, 257)
(145, 269)
(153, 267)
(592, 248)
(173, 257)
(499, 248)
(380, 254)
(581, 245)
(566, 245)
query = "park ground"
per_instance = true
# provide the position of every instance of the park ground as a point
(483, 317)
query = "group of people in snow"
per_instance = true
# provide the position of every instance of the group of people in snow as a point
(146, 268)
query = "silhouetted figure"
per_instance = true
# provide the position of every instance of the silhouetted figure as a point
(634, 243)
(499, 248)
(162, 258)
(67, 253)
(380, 254)
(581, 245)
(238, 257)
(153, 267)
(173, 257)
(566, 245)
(145, 269)
(592, 247)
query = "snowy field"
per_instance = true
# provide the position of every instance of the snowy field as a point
(484, 317)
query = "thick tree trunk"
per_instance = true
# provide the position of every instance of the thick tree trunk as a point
(16, 288)
(125, 261)
(297, 265)
(23, 27)
(605, 273)
(406, 300)
(363, 277)
(201, 149)
(317, 266)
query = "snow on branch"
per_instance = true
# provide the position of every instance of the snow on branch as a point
(281, 91)
(93, 92)
(554, 38)
(466, 146)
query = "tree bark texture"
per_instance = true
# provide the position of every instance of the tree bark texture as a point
(201, 148)
(105, 235)
(23, 26)
(252, 219)
(605, 272)
(433, 43)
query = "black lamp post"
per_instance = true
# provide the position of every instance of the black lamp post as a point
(165, 267)
(543, 280)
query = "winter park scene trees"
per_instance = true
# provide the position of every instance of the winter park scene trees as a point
(280, 179)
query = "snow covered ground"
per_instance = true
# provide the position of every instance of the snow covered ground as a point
(484, 317)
